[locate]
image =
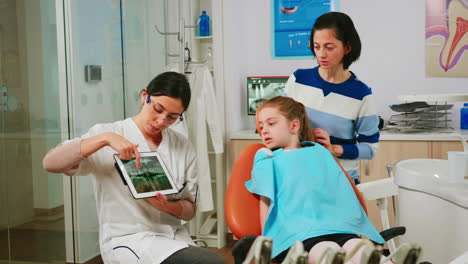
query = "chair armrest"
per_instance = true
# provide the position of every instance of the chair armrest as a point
(393, 232)
(378, 189)
(241, 248)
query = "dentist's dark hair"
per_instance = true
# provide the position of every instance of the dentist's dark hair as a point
(345, 32)
(170, 84)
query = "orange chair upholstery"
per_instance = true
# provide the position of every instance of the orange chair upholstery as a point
(242, 208)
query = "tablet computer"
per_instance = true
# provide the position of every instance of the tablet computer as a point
(152, 177)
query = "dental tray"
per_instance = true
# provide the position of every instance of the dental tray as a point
(441, 107)
(408, 107)
(441, 98)
(420, 117)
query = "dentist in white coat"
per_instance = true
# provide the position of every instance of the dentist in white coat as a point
(144, 230)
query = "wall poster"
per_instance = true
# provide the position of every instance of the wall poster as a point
(446, 38)
(292, 21)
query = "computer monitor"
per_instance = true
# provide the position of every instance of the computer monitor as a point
(261, 88)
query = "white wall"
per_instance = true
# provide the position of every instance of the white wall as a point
(392, 60)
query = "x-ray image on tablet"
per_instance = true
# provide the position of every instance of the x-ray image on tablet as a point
(152, 177)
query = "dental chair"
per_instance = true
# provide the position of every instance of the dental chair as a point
(242, 211)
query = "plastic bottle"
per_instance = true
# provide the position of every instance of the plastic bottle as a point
(204, 24)
(464, 116)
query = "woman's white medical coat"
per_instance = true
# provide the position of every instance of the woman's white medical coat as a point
(131, 230)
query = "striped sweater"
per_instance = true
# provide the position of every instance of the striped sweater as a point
(346, 111)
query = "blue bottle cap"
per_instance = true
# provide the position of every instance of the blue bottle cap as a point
(465, 104)
(203, 12)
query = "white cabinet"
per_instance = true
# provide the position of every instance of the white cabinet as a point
(389, 152)
(392, 151)
(180, 33)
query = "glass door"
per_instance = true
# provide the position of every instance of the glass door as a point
(4, 232)
(117, 38)
(95, 95)
(32, 228)
(46, 96)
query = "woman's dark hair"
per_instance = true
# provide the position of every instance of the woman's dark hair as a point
(170, 84)
(345, 32)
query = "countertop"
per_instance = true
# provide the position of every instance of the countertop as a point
(384, 135)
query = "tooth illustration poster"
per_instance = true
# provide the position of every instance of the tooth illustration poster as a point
(447, 38)
(292, 21)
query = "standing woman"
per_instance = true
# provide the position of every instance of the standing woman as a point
(145, 230)
(344, 119)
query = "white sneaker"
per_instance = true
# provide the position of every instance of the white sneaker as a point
(260, 251)
(296, 254)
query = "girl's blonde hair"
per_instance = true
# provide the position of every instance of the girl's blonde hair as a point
(292, 110)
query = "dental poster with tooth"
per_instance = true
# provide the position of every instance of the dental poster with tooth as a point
(291, 25)
(447, 38)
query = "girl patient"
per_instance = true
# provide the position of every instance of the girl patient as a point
(307, 205)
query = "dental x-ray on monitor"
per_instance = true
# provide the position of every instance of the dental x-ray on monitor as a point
(261, 88)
